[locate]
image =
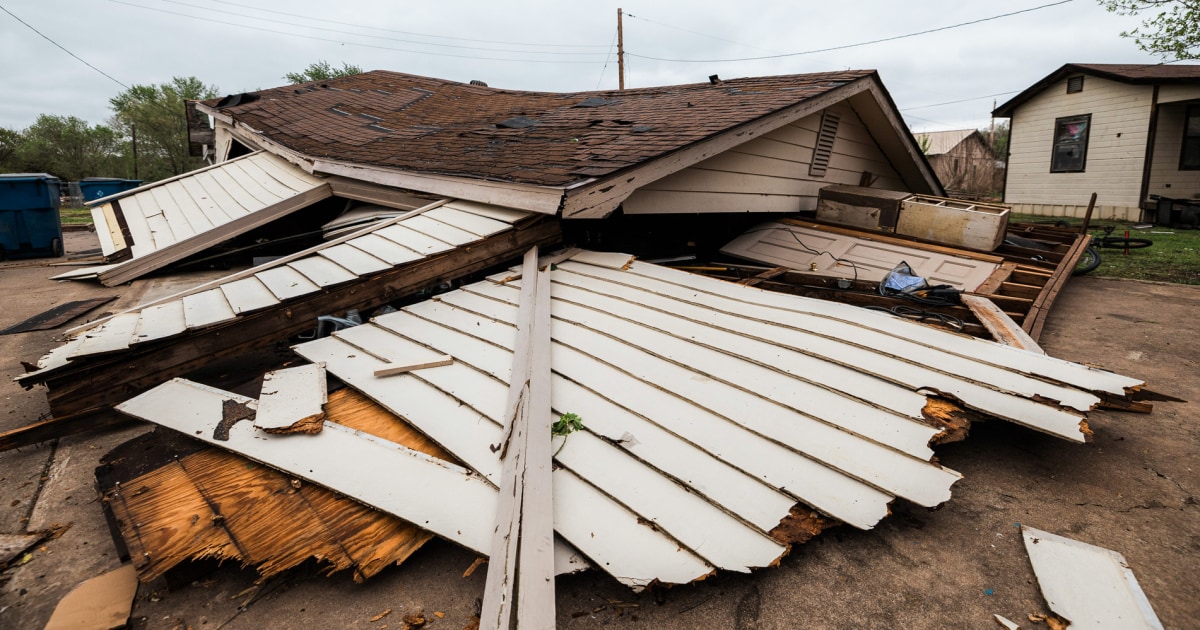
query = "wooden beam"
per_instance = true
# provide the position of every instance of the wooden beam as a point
(377, 194)
(1036, 317)
(520, 579)
(541, 199)
(998, 277)
(999, 324)
(61, 426)
(111, 380)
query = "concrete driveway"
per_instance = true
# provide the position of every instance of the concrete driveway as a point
(1132, 490)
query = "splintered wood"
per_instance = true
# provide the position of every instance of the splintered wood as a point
(214, 504)
(293, 400)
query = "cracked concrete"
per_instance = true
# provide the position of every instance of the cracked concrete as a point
(1131, 490)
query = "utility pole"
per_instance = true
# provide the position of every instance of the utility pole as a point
(992, 131)
(133, 131)
(620, 51)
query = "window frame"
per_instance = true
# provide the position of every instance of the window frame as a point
(1054, 142)
(1188, 113)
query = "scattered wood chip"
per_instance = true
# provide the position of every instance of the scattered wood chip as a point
(381, 615)
(474, 565)
(400, 368)
(439, 615)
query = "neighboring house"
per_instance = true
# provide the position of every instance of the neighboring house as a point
(1123, 131)
(963, 161)
(764, 144)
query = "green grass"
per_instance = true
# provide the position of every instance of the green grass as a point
(1174, 256)
(75, 216)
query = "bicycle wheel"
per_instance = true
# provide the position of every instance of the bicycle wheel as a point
(1087, 262)
(1120, 242)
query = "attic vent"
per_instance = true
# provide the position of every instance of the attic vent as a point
(824, 149)
(478, 82)
(1075, 84)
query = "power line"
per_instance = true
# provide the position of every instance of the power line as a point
(677, 28)
(973, 98)
(394, 39)
(345, 43)
(60, 47)
(874, 41)
(607, 58)
(392, 30)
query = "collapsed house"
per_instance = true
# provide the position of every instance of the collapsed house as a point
(710, 411)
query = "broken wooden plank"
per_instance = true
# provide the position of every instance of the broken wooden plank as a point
(394, 369)
(117, 333)
(520, 580)
(293, 400)
(1002, 327)
(450, 501)
(1088, 585)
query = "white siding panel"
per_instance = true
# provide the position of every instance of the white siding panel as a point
(248, 294)
(286, 282)
(354, 259)
(206, 308)
(1166, 179)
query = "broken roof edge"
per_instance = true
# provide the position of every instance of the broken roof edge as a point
(144, 187)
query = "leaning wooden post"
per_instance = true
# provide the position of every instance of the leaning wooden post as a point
(520, 579)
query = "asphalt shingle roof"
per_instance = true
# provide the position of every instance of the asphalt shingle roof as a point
(428, 125)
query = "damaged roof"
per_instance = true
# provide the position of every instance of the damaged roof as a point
(713, 415)
(418, 235)
(414, 123)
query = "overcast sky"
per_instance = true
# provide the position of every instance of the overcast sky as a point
(243, 45)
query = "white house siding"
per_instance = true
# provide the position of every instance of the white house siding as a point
(770, 173)
(1165, 177)
(1176, 93)
(1115, 154)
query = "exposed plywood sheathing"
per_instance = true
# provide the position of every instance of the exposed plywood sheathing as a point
(711, 410)
(155, 225)
(1090, 586)
(217, 504)
(859, 258)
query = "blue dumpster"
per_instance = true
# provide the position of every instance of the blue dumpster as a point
(29, 221)
(94, 188)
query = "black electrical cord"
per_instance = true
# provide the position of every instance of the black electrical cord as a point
(921, 315)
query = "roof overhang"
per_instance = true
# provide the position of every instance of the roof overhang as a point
(1007, 109)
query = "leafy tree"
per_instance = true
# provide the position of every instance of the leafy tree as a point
(10, 141)
(157, 114)
(67, 147)
(1171, 30)
(321, 71)
(999, 139)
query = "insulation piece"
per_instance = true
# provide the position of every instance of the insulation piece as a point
(1092, 587)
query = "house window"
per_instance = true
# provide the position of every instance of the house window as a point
(1075, 84)
(1189, 157)
(1070, 144)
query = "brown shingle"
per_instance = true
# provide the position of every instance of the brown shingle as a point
(444, 127)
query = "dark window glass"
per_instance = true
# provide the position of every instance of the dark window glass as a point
(1070, 144)
(1189, 158)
